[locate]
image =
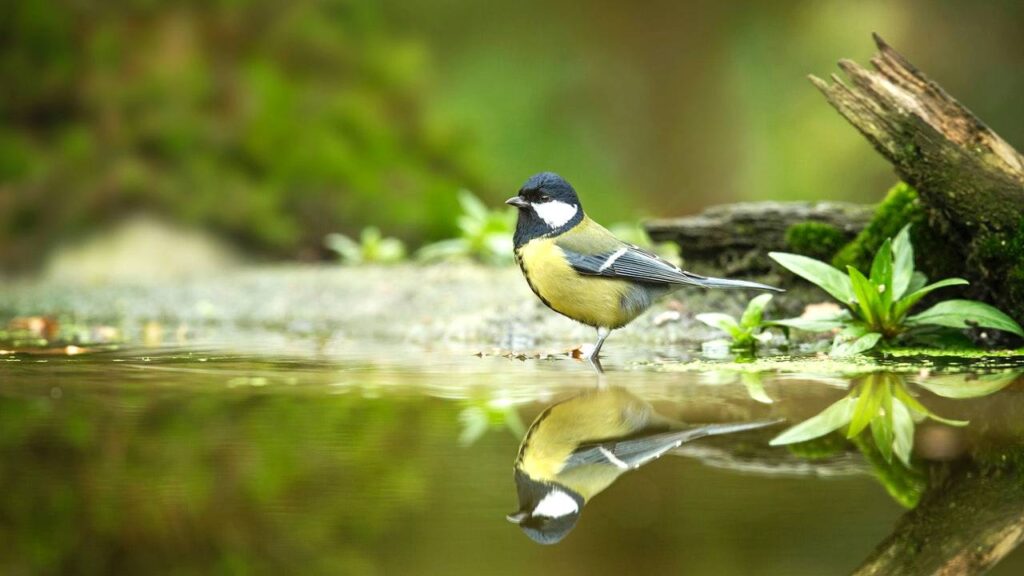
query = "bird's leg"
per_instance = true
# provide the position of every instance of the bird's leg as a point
(602, 333)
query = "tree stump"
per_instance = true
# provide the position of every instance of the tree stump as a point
(964, 525)
(970, 181)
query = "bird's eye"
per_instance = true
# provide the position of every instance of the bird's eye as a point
(544, 198)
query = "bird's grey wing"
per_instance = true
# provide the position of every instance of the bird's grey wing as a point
(637, 264)
(634, 452)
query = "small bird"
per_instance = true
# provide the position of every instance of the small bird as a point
(581, 270)
(577, 448)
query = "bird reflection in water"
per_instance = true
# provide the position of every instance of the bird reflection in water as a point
(577, 448)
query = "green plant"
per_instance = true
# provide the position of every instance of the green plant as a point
(213, 141)
(484, 234)
(745, 331)
(878, 305)
(372, 247)
(479, 416)
(880, 401)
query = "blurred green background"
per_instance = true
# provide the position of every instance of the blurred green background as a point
(272, 124)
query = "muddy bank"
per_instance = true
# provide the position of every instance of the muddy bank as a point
(462, 303)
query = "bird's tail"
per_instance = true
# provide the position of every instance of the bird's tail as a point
(706, 282)
(728, 428)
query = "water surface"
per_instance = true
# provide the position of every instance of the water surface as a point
(398, 460)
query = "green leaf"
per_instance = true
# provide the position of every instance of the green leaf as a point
(881, 275)
(961, 386)
(824, 276)
(755, 387)
(907, 302)
(866, 408)
(903, 263)
(813, 324)
(881, 428)
(909, 401)
(964, 313)
(903, 432)
(842, 349)
(917, 281)
(868, 301)
(828, 420)
(915, 405)
(723, 322)
(755, 309)
(472, 205)
(345, 247)
(853, 330)
(948, 421)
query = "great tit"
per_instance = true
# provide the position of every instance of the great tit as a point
(577, 448)
(581, 270)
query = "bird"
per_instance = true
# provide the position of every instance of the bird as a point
(581, 270)
(577, 448)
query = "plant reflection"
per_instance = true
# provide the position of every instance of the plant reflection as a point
(480, 416)
(577, 448)
(883, 402)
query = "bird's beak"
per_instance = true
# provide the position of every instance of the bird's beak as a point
(517, 517)
(517, 202)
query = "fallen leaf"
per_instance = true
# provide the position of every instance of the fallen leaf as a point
(667, 316)
(820, 310)
(46, 327)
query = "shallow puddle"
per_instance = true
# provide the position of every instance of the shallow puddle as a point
(393, 460)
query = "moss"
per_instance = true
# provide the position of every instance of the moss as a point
(1002, 257)
(933, 253)
(994, 260)
(814, 239)
(904, 485)
(900, 206)
(1000, 459)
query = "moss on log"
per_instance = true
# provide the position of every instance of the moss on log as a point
(965, 524)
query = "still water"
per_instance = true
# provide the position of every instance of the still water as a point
(393, 460)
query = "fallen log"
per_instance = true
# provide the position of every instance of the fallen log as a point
(733, 239)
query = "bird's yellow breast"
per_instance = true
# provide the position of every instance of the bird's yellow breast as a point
(592, 300)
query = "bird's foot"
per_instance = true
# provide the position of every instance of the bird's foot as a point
(586, 351)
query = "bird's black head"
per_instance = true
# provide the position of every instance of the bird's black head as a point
(547, 205)
(547, 512)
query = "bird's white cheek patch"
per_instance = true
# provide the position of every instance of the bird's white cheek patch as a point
(555, 213)
(555, 505)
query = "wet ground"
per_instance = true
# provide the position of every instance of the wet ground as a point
(259, 445)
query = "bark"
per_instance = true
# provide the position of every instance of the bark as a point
(969, 180)
(965, 525)
(961, 168)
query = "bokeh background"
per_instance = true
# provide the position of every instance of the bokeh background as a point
(268, 125)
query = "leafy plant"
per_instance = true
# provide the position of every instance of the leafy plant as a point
(879, 305)
(745, 331)
(484, 234)
(879, 401)
(480, 416)
(372, 247)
